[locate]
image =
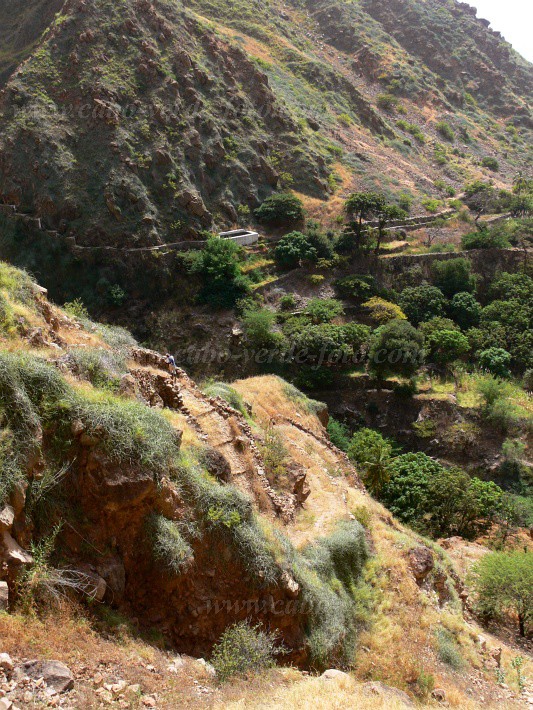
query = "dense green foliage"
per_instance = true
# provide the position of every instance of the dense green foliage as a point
(465, 310)
(280, 210)
(396, 348)
(243, 649)
(292, 249)
(217, 265)
(504, 585)
(454, 276)
(422, 303)
(372, 454)
(437, 500)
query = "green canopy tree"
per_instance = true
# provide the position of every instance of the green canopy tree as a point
(372, 454)
(504, 585)
(396, 349)
(362, 206)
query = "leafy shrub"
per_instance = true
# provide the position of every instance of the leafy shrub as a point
(168, 544)
(280, 210)
(396, 348)
(76, 309)
(339, 434)
(422, 303)
(258, 324)
(381, 311)
(431, 204)
(445, 130)
(490, 163)
(293, 248)
(287, 302)
(321, 241)
(316, 279)
(323, 310)
(504, 585)
(496, 361)
(217, 265)
(485, 239)
(448, 650)
(243, 649)
(387, 102)
(465, 310)
(454, 276)
(360, 287)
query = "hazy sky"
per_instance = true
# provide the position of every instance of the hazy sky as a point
(513, 18)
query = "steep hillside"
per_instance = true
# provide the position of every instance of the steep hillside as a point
(161, 503)
(21, 27)
(142, 123)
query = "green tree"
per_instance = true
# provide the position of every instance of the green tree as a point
(496, 361)
(437, 500)
(446, 346)
(362, 206)
(465, 310)
(218, 267)
(406, 492)
(292, 249)
(280, 210)
(454, 276)
(504, 585)
(382, 311)
(460, 505)
(422, 303)
(385, 214)
(485, 239)
(258, 327)
(372, 454)
(338, 433)
(323, 310)
(480, 197)
(396, 348)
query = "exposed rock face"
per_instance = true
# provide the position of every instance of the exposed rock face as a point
(421, 562)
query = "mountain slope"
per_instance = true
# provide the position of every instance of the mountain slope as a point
(142, 123)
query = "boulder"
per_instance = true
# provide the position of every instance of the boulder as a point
(421, 562)
(4, 598)
(6, 663)
(7, 517)
(12, 553)
(127, 386)
(113, 572)
(386, 691)
(55, 674)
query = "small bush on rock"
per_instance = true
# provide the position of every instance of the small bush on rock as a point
(243, 649)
